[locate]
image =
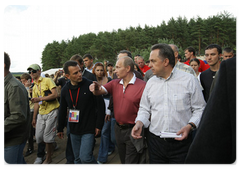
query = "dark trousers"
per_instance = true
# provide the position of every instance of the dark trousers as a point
(41, 150)
(31, 134)
(127, 151)
(164, 151)
(69, 151)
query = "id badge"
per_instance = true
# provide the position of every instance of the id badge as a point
(73, 115)
(40, 101)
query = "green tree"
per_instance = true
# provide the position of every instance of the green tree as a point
(197, 32)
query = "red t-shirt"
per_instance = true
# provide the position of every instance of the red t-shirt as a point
(125, 104)
(144, 69)
(202, 66)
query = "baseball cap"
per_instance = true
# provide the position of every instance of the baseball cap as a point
(34, 67)
(109, 63)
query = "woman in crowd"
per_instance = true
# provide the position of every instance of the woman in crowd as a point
(106, 146)
(195, 64)
(136, 68)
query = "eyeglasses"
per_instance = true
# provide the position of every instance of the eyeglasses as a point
(32, 71)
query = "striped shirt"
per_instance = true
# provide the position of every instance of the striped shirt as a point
(185, 68)
(171, 103)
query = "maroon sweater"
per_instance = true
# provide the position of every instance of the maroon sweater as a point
(125, 104)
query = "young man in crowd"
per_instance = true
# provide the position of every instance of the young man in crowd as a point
(213, 55)
(88, 62)
(86, 113)
(190, 54)
(26, 81)
(86, 74)
(110, 68)
(227, 53)
(44, 97)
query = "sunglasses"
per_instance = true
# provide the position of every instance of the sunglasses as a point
(32, 71)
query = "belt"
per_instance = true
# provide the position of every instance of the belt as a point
(169, 139)
(125, 126)
(165, 139)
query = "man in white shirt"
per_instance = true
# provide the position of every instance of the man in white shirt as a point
(88, 62)
(172, 101)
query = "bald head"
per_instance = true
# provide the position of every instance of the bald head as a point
(175, 50)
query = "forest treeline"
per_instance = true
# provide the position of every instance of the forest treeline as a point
(197, 32)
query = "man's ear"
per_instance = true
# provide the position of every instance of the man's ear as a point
(128, 68)
(220, 56)
(166, 62)
(176, 54)
(3, 66)
(68, 76)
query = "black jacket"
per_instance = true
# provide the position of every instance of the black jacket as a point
(215, 140)
(88, 75)
(92, 108)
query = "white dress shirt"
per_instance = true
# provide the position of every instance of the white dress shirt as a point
(170, 104)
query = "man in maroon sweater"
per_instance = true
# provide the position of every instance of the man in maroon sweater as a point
(127, 92)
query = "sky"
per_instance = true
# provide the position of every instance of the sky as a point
(27, 29)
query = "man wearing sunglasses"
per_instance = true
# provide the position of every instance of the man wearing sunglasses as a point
(44, 98)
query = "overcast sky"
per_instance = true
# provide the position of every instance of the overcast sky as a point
(29, 28)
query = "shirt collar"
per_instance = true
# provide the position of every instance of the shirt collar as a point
(132, 81)
(177, 63)
(39, 80)
(172, 73)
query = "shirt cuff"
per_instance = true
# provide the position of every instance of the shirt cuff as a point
(145, 121)
(104, 90)
(108, 112)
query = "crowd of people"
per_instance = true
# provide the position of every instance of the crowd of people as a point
(159, 111)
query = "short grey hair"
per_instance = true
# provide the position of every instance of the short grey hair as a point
(175, 48)
(127, 61)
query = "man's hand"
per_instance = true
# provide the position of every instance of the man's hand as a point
(137, 130)
(60, 135)
(34, 123)
(97, 131)
(36, 100)
(107, 118)
(95, 86)
(184, 131)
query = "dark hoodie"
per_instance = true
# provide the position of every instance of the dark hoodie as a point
(92, 108)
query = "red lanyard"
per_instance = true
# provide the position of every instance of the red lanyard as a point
(74, 106)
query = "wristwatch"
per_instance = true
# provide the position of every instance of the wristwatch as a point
(193, 127)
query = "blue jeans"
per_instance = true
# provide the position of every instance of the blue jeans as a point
(82, 146)
(14, 154)
(106, 144)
